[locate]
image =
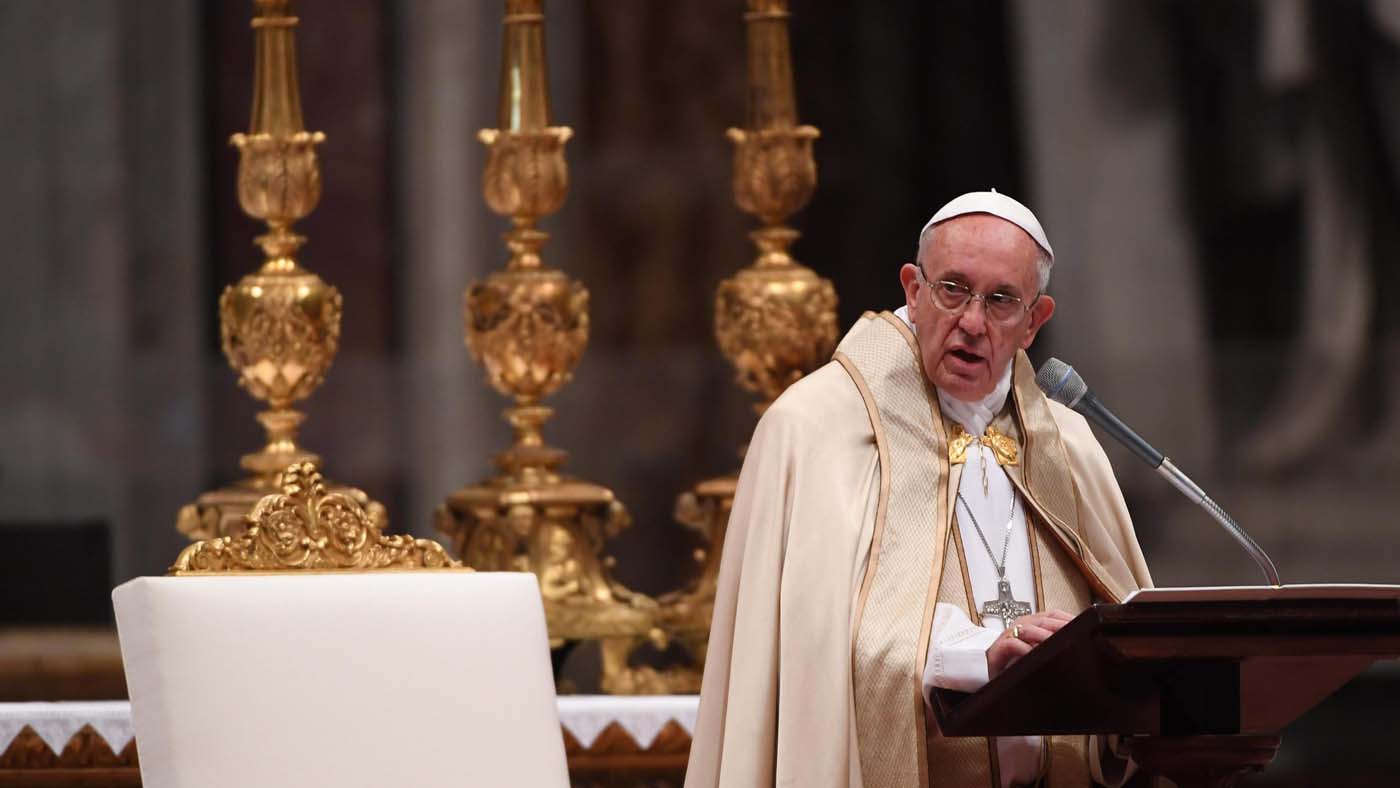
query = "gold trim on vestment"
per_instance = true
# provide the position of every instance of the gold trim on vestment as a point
(945, 490)
(1045, 479)
(955, 533)
(993, 762)
(1034, 543)
(900, 581)
(961, 761)
(1061, 756)
(1033, 538)
(974, 614)
(881, 450)
(940, 435)
(1064, 759)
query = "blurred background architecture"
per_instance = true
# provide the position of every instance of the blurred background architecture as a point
(1220, 182)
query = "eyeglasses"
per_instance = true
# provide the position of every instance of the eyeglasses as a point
(953, 297)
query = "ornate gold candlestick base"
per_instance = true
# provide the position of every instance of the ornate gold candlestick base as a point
(530, 518)
(556, 531)
(682, 616)
(705, 509)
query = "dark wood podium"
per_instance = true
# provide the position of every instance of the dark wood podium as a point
(1198, 681)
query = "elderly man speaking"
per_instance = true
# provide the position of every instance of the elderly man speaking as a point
(914, 514)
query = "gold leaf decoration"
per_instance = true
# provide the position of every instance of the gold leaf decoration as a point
(306, 527)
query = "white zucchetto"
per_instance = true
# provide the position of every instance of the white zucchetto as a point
(998, 205)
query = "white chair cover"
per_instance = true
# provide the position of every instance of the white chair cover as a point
(371, 679)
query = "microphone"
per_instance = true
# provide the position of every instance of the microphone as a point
(1062, 384)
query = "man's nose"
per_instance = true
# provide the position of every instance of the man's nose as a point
(973, 319)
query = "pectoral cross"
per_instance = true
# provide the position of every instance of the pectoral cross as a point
(1005, 607)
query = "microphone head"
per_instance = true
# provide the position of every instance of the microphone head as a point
(1061, 383)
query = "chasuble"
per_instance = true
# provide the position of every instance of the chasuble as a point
(842, 542)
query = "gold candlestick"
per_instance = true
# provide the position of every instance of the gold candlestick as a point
(775, 320)
(280, 326)
(528, 327)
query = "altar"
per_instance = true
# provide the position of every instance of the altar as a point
(609, 741)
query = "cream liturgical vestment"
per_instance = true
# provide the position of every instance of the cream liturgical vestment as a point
(842, 541)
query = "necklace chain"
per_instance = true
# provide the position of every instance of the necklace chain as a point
(1006, 543)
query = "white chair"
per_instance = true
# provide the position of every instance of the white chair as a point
(379, 679)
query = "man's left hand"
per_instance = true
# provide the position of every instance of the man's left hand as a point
(1023, 634)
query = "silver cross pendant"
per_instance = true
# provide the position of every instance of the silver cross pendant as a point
(1005, 607)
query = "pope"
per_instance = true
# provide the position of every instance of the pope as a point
(914, 514)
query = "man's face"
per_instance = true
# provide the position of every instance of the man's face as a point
(966, 352)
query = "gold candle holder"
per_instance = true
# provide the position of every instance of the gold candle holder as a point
(280, 326)
(528, 326)
(775, 320)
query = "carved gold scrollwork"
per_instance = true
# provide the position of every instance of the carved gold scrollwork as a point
(305, 526)
(280, 331)
(279, 177)
(775, 324)
(774, 171)
(528, 328)
(526, 173)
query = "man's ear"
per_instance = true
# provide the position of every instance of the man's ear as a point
(1041, 312)
(909, 280)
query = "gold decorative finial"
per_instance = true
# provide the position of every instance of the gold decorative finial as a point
(527, 325)
(279, 326)
(305, 526)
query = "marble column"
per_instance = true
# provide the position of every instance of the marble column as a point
(1105, 173)
(446, 91)
(101, 406)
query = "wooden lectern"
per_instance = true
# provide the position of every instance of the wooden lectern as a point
(1199, 682)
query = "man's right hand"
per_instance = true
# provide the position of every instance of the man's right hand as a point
(1033, 630)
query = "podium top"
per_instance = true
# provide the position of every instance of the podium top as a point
(1186, 661)
(1356, 591)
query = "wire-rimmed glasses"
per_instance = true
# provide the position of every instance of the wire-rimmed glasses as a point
(953, 297)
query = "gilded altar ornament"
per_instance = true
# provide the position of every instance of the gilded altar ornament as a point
(307, 526)
(527, 325)
(279, 326)
(775, 320)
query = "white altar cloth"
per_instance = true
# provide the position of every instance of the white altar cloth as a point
(583, 716)
(642, 716)
(56, 723)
